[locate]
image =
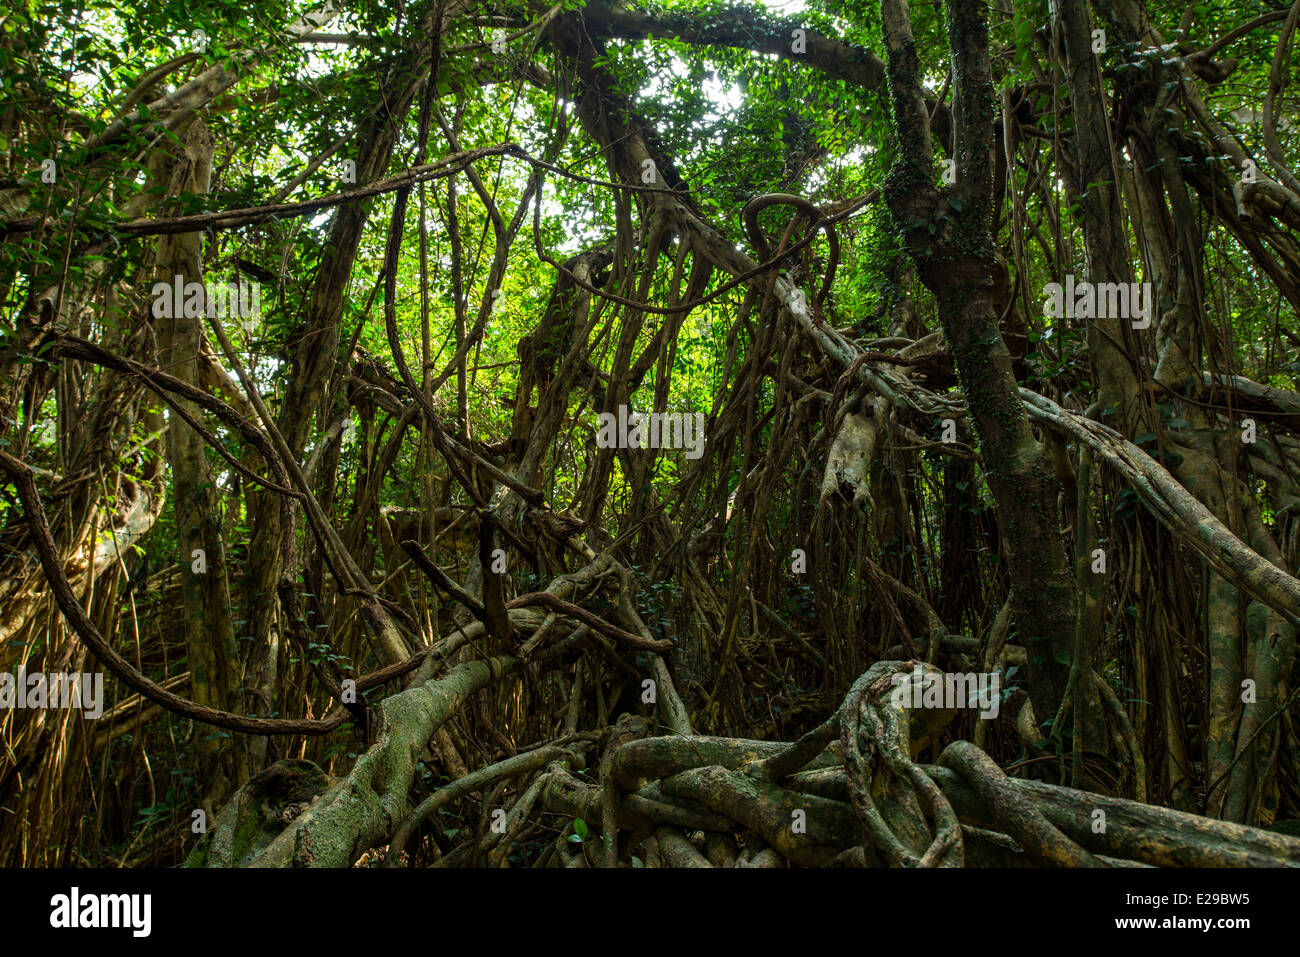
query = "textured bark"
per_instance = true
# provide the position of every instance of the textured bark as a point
(367, 807)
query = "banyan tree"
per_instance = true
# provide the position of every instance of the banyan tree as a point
(652, 434)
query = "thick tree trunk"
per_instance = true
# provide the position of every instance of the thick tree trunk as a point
(209, 632)
(948, 235)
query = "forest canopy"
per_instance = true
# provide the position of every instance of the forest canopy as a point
(652, 434)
